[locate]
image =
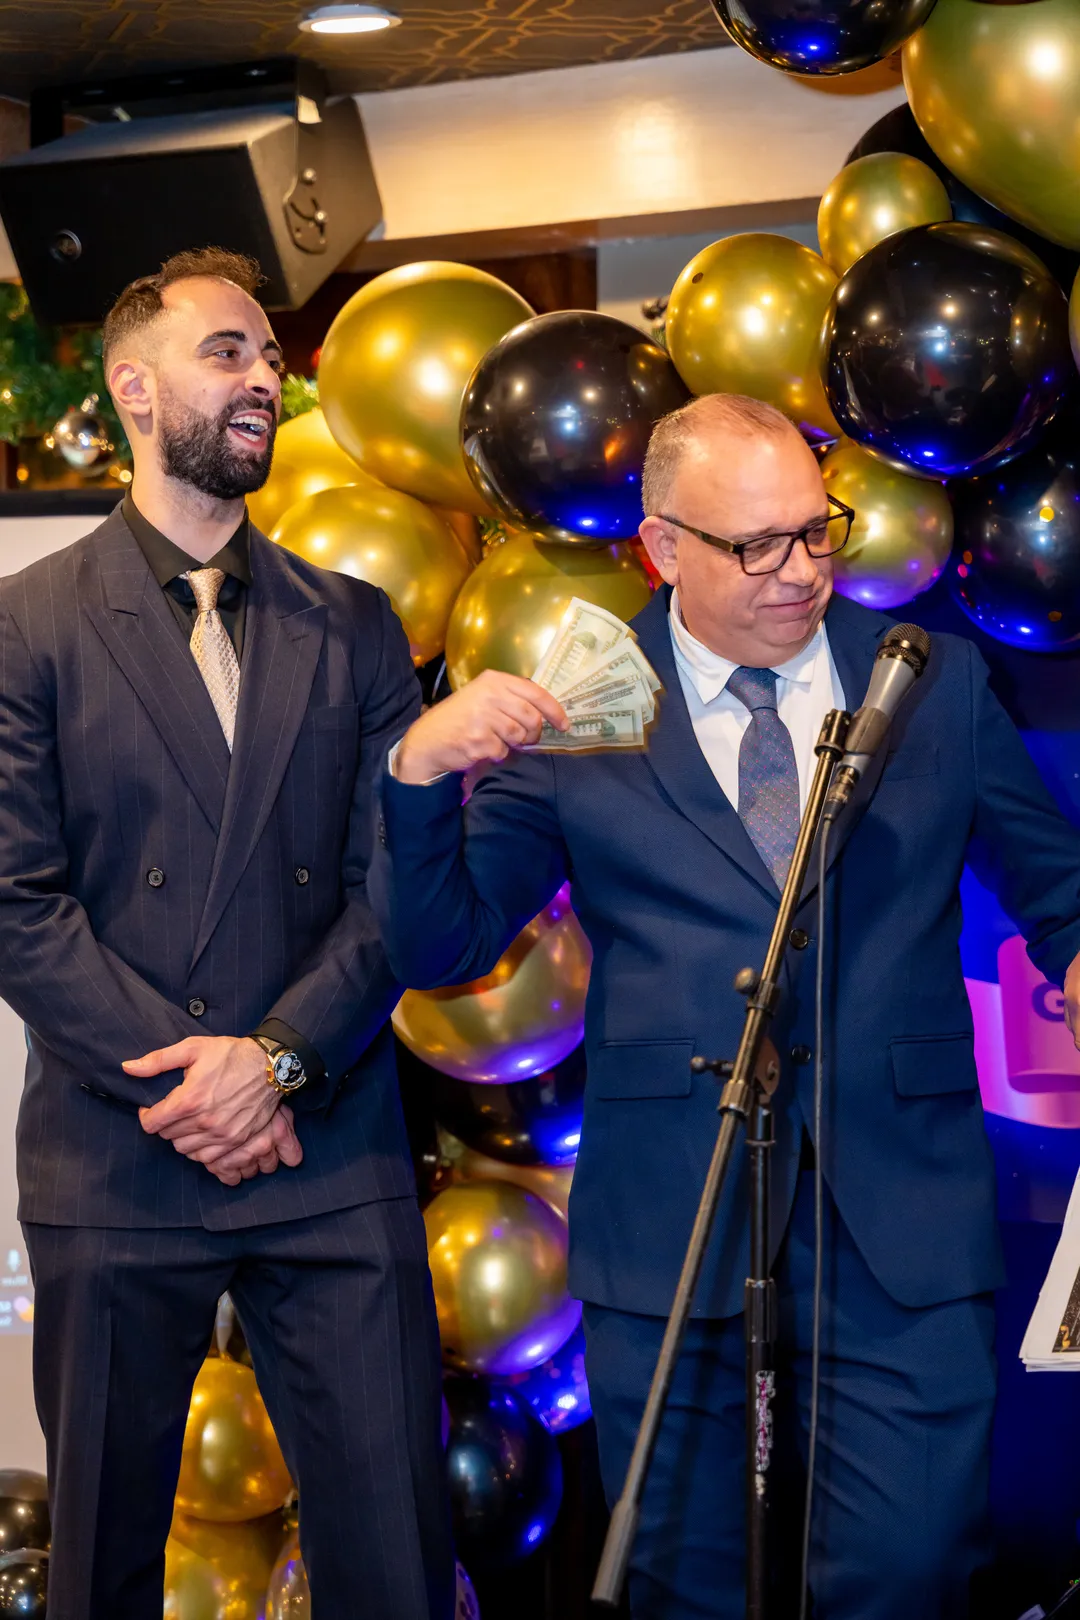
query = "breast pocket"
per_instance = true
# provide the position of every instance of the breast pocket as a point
(641, 1069)
(908, 762)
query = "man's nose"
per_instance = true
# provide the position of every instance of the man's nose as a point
(263, 379)
(800, 568)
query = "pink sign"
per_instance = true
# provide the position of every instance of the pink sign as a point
(1029, 1067)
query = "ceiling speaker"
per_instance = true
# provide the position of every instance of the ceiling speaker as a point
(289, 183)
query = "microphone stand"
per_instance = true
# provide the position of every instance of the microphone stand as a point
(746, 1099)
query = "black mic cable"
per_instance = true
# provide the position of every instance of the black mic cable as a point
(900, 661)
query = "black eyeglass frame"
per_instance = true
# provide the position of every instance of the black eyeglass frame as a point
(737, 547)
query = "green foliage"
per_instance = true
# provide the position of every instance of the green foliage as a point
(44, 371)
(298, 395)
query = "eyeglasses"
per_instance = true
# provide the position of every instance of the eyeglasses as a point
(767, 553)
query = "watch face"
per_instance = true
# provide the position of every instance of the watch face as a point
(288, 1070)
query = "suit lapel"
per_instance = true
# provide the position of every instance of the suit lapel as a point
(135, 622)
(676, 758)
(854, 636)
(283, 637)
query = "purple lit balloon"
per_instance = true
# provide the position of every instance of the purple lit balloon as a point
(557, 1391)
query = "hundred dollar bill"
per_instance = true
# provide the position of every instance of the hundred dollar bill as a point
(585, 631)
(620, 728)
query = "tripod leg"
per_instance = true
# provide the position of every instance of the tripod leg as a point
(760, 1317)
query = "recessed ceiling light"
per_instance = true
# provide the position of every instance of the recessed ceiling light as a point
(348, 19)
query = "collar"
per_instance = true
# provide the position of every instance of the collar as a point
(709, 672)
(167, 559)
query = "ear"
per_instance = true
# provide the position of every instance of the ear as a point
(663, 548)
(131, 386)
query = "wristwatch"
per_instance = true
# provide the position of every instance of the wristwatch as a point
(284, 1069)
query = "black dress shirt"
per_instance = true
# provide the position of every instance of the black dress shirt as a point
(168, 562)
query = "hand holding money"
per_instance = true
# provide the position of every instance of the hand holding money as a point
(602, 679)
(482, 723)
(594, 689)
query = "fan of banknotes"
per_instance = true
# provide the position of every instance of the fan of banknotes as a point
(602, 679)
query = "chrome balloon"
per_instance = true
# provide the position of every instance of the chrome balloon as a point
(556, 422)
(947, 350)
(498, 1265)
(505, 1475)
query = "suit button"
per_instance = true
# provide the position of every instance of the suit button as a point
(801, 1054)
(301, 875)
(798, 939)
(155, 877)
(196, 1006)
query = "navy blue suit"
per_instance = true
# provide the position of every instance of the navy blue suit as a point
(152, 887)
(675, 899)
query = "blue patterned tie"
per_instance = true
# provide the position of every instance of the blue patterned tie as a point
(768, 775)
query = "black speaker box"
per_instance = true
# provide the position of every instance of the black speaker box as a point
(291, 184)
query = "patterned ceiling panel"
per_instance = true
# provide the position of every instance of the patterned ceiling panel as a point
(60, 41)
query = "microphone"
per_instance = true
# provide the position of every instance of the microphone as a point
(900, 661)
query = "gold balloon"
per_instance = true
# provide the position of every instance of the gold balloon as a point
(498, 1264)
(745, 317)
(549, 1182)
(996, 91)
(508, 611)
(391, 540)
(394, 367)
(523, 1017)
(289, 1596)
(873, 198)
(306, 459)
(903, 529)
(231, 1467)
(467, 529)
(219, 1571)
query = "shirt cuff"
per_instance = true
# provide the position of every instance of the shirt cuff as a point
(391, 764)
(275, 1030)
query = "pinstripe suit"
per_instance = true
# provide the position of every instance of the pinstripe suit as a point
(114, 767)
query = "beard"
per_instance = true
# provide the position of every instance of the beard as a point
(196, 449)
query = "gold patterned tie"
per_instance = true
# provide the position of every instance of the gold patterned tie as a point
(212, 648)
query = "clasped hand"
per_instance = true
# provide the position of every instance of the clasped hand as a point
(224, 1115)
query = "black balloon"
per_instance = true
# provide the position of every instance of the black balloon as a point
(505, 1475)
(534, 1121)
(898, 132)
(947, 349)
(1016, 565)
(556, 421)
(23, 1581)
(821, 36)
(24, 1510)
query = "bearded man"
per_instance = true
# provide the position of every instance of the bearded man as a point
(190, 719)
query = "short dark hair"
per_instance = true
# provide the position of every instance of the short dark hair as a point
(141, 302)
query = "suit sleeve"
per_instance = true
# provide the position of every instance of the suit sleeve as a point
(454, 884)
(346, 990)
(77, 996)
(1022, 847)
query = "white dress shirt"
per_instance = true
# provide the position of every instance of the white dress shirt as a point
(807, 687)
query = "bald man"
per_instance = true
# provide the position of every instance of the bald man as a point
(676, 856)
(190, 719)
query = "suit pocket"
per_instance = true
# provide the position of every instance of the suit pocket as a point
(933, 1065)
(641, 1069)
(335, 715)
(907, 762)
